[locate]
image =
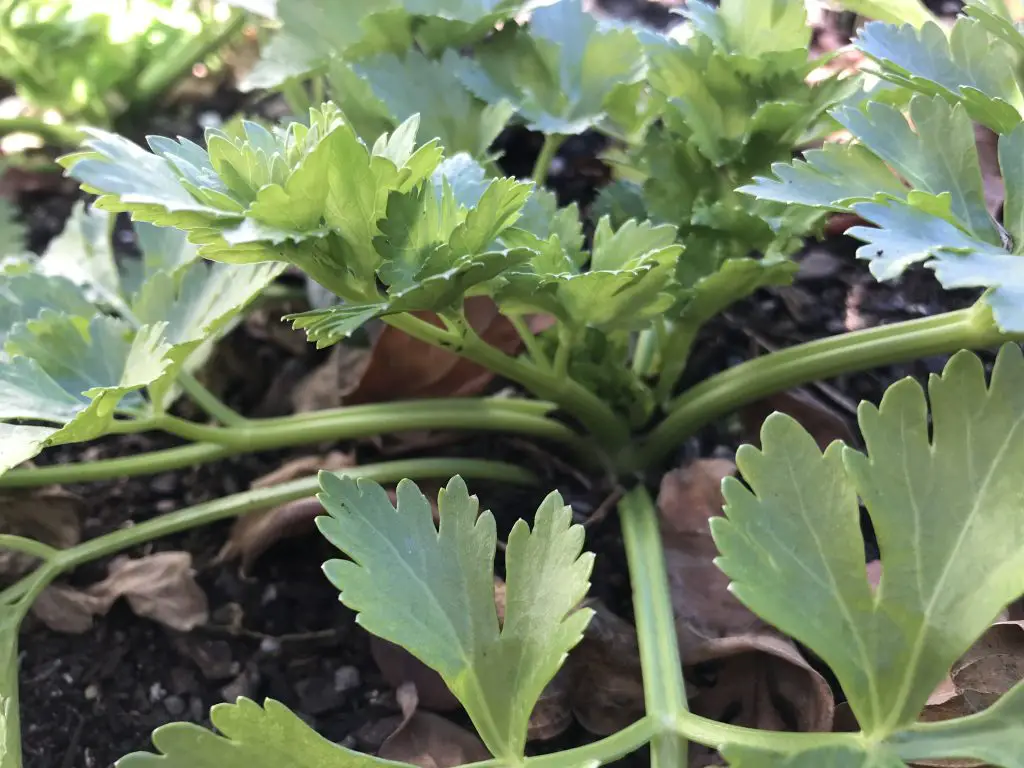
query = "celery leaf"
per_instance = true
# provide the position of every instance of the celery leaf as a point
(251, 736)
(945, 508)
(431, 591)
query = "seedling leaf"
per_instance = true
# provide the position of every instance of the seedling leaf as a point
(559, 75)
(251, 736)
(439, 587)
(945, 510)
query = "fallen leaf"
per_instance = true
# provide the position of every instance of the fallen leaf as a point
(606, 689)
(551, 715)
(328, 384)
(161, 587)
(824, 423)
(987, 143)
(404, 368)
(428, 740)
(48, 515)
(254, 533)
(741, 670)
(304, 466)
(704, 608)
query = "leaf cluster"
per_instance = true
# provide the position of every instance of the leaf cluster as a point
(83, 337)
(88, 62)
(916, 177)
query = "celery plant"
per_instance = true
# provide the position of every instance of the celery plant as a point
(393, 227)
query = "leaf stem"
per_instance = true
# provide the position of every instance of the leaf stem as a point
(664, 690)
(552, 142)
(59, 134)
(724, 392)
(208, 401)
(161, 77)
(533, 348)
(27, 546)
(593, 413)
(522, 417)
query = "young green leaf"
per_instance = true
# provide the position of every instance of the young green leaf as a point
(431, 591)
(945, 512)
(251, 736)
(754, 27)
(414, 84)
(912, 12)
(970, 66)
(559, 75)
(943, 221)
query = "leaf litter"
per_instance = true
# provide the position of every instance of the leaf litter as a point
(160, 587)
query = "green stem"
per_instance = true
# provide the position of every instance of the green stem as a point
(552, 141)
(533, 348)
(664, 690)
(208, 401)
(151, 463)
(676, 355)
(213, 443)
(158, 79)
(563, 353)
(59, 134)
(27, 546)
(646, 352)
(822, 359)
(598, 418)
(660, 662)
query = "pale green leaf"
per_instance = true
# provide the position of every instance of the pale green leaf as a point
(147, 185)
(840, 756)
(734, 280)
(756, 27)
(944, 502)
(19, 443)
(969, 66)
(439, 587)
(938, 155)
(250, 736)
(833, 177)
(83, 254)
(992, 736)
(907, 234)
(1011, 166)
(912, 12)
(24, 296)
(558, 76)
(448, 112)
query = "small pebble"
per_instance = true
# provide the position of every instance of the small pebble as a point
(175, 705)
(346, 678)
(92, 692)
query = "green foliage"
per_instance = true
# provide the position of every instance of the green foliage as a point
(270, 736)
(945, 511)
(440, 593)
(917, 177)
(82, 336)
(90, 63)
(560, 74)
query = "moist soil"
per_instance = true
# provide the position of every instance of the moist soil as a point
(279, 631)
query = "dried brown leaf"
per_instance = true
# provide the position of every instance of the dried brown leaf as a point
(551, 715)
(606, 688)
(49, 515)
(254, 533)
(403, 368)
(331, 381)
(824, 423)
(428, 740)
(161, 587)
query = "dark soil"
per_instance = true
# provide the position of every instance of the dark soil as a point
(280, 631)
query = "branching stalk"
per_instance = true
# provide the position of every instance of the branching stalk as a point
(857, 351)
(59, 134)
(213, 442)
(552, 142)
(208, 401)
